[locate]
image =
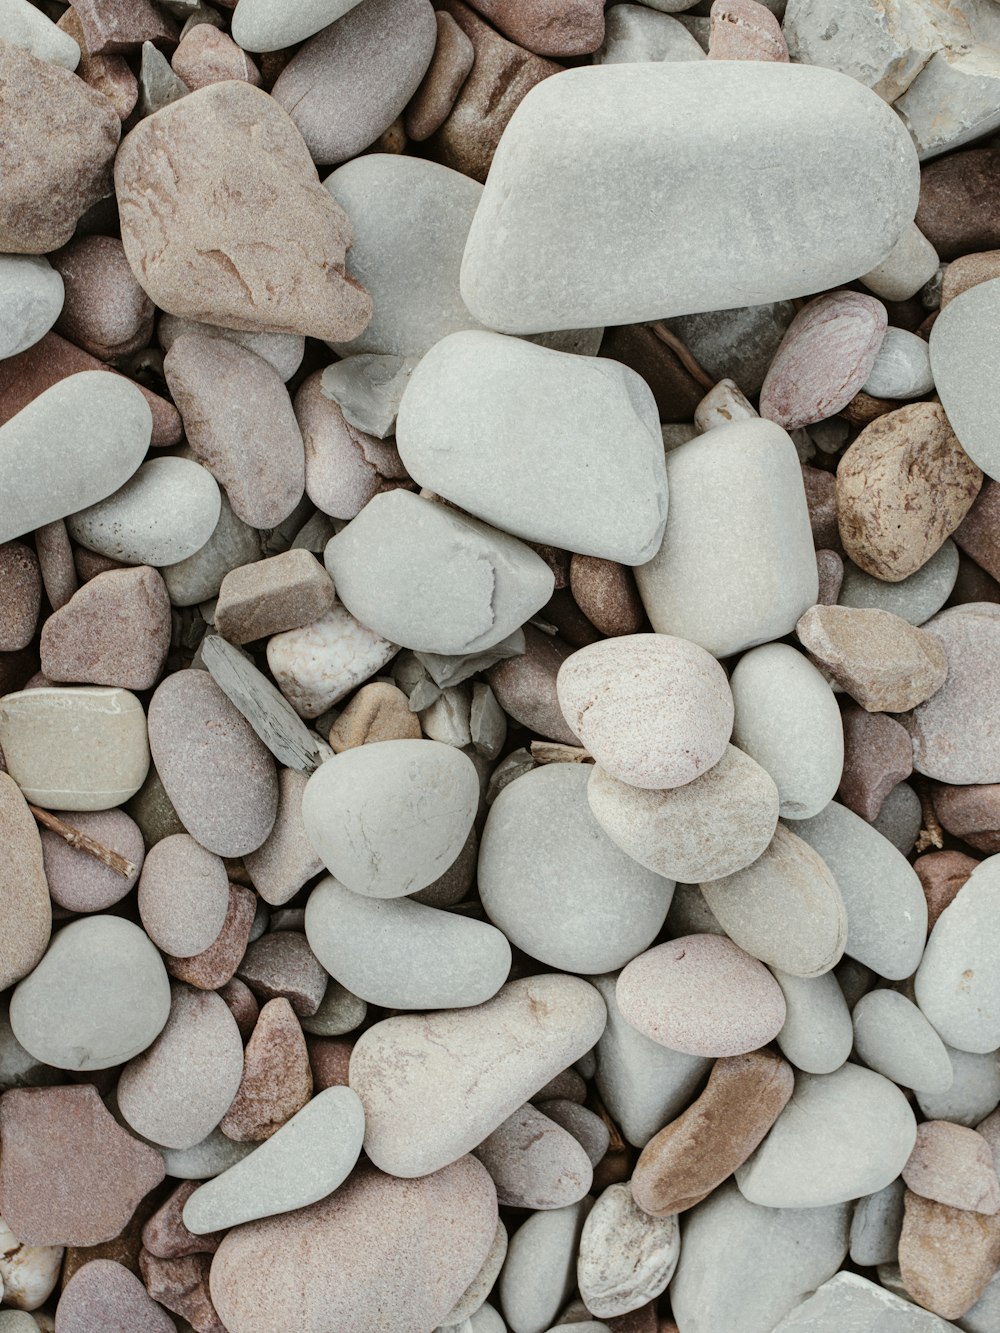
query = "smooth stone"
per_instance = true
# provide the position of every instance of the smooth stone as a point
(434, 1086)
(962, 342)
(285, 860)
(403, 955)
(876, 1224)
(524, 685)
(541, 213)
(643, 1084)
(982, 1318)
(55, 559)
(901, 818)
(952, 1164)
(283, 351)
(739, 343)
(974, 1092)
(626, 1258)
(787, 719)
(32, 290)
(789, 882)
(266, 597)
(216, 771)
(534, 1162)
(426, 577)
(967, 271)
(105, 311)
(453, 58)
(893, 1037)
(518, 435)
(98, 997)
(317, 665)
(976, 535)
(654, 711)
(183, 896)
(634, 33)
(817, 1034)
(339, 1011)
(377, 1252)
(701, 995)
(92, 886)
(587, 1127)
(359, 803)
(947, 1256)
(605, 592)
(111, 426)
(886, 908)
(849, 1303)
(551, 28)
(104, 1294)
(538, 1275)
(26, 915)
(205, 55)
(916, 598)
(909, 265)
(213, 1155)
(482, 1284)
(258, 262)
(773, 1256)
(736, 566)
(75, 747)
(262, 25)
(556, 884)
(378, 712)
(902, 368)
(942, 874)
(972, 814)
(25, 26)
(706, 829)
(199, 577)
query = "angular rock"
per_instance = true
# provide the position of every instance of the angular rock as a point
(277, 1080)
(217, 964)
(166, 1237)
(315, 666)
(205, 55)
(745, 30)
(378, 712)
(971, 813)
(850, 1301)
(953, 1165)
(965, 81)
(281, 963)
(181, 1285)
(266, 597)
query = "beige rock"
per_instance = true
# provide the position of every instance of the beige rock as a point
(946, 1255)
(183, 896)
(952, 1164)
(378, 712)
(745, 30)
(534, 1162)
(205, 55)
(285, 861)
(448, 70)
(968, 271)
(284, 592)
(25, 912)
(277, 1079)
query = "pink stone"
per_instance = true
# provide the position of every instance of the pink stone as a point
(105, 311)
(745, 30)
(877, 755)
(104, 1295)
(81, 883)
(953, 1165)
(206, 55)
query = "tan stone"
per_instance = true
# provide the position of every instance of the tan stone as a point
(968, 271)
(378, 712)
(448, 70)
(605, 592)
(946, 1255)
(745, 30)
(284, 592)
(106, 74)
(953, 1164)
(25, 911)
(206, 55)
(123, 1249)
(182, 1286)
(277, 1078)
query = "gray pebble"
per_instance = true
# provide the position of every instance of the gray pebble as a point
(915, 598)
(892, 1036)
(539, 1273)
(817, 1035)
(974, 1092)
(31, 290)
(876, 1224)
(902, 367)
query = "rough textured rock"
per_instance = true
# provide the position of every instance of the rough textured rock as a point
(745, 30)
(216, 965)
(205, 55)
(266, 597)
(946, 1255)
(277, 1079)
(954, 1165)
(315, 666)
(165, 1235)
(103, 1294)
(551, 28)
(970, 813)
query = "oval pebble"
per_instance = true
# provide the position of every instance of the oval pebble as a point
(893, 1037)
(183, 896)
(902, 367)
(539, 1273)
(106, 1295)
(534, 1162)
(817, 1034)
(963, 343)
(626, 1258)
(31, 297)
(89, 885)
(263, 25)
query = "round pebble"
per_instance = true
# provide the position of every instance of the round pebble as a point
(84, 884)
(183, 896)
(892, 1036)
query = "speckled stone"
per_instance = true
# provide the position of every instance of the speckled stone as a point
(181, 1285)
(534, 1162)
(105, 311)
(109, 75)
(183, 896)
(702, 995)
(970, 813)
(269, 596)
(878, 756)
(277, 1079)
(539, 1274)
(453, 58)
(20, 596)
(282, 963)
(378, 712)
(285, 860)
(745, 30)
(317, 665)
(626, 1257)
(525, 686)
(946, 1255)
(953, 1165)
(942, 875)
(55, 558)
(205, 55)
(84, 884)
(103, 1294)
(606, 593)
(25, 911)
(164, 1234)
(218, 963)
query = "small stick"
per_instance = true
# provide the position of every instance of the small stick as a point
(683, 354)
(83, 843)
(931, 832)
(551, 752)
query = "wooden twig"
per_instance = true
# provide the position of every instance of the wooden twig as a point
(551, 752)
(83, 843)
(683, 354)
(931, 833)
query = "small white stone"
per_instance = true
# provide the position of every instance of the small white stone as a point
(29, 1273)
(317, 665)
(31, 291)
(910, 264)
(626, 1257)
(902, 367)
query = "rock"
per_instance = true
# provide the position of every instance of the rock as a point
(588, 1128)
(946, 1255)
(218, 774)
(690, 1157)
(350, 82)
(745, 30)
(239, 422)
(105, 311)
(878, 756)
(817, 1035)
(26, 914)
(378, 1250)
(553, 28)
(976, 534)
(634, 33)
(75, 747)
(283, 351)
(55, 558)
(706, 829)
(902, 368)
(402, 955)
(32, 292)
(894, 1038)
(953, 1165)
(108, 75)
(876, 1224)
(70, 1174)
(378, 712)
(424, 576)
(277, 1081)
(103, 1294)
(472, 1299)
(285, 861)
(205, 55)
(315, 666)
(605, 592)
(915, 598)
(111, 428)
(974, 1091)
(910, 264)
(789, 883)
(903, 486)
(454, 56)
(968, 271)
(553, 212)
(965, 81)
(181, 1285)
(740, 343)
(183, 897)
(554, 479)
(50, 191)
(539, 1273)
(961, 343)
(166, 1237)
(556, 885)
(158, 85)
(626, 1257)
(721, 1002)
(262, 25)
(970, 813)
(281, 963)
(29, 28)
(744, 481)
(199, 577)
(267, 597)
(368, 388)
(534, 1162)
(357, 803)
(109, 26)
(942, 874)
(206, 1159)
(21, 590)
(841, 1136)
(339, 1012)
(84, 884)
(409, 1070)
(851, 1301)
(273, 269)
(525, 686)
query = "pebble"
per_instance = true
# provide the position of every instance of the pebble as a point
(942, 874)
(606, 593)
(32, 294)
(67, 1135)
(557, 885)
(722, 1002)
(199, 577)
(915, 598)
(968, 271)
(281, 963)
(350, 81)
(587, 1127)
(165, 1236)
(285, 861)
(878, 756)
(789, 882)
(183, 896)
(218, 774)
(29, 1272)
(105, 311)
(947, 1256)
(525, 686)
(74, 747)
(277, 1081)
(976, 533)
(910, 264)
(974, 1091)
(21, 591)
(970, 813)
(903, 487)
(953, 1165)
(902, 368)
(524, 444)
(634, 33)
(205, 55)
(434, 1087)
(539, 1274)
(745, 30)
(282, 351)
(962, 342)
(454, 56)
(536, 257)
(739, 343)
(401, 954)
(24, 894)
(876, 1224)
(317, 665)
(214, 1154)
(262, 264)
(817, 1034)
(534, 1162)
(55, 558)
(358, 802)
(426, 577)
(217, 964)
(841, 1136)
(886, 664)
(181, 1285)
(472, 1299)
(736, 564)
(267, 597)
(825, 358)
(892, 1036)
(850, 1301)
(626, 1258)
(103, 1294)
(339, 1012)
(378, 712)
(262, 25)
(706, 829)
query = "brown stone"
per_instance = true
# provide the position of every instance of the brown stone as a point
(978, 535)
(182, 1286)
(114, 631)
(525, 686)
(329, 1060)
(105, 1295)
(242, 1005)
(745, 30)
(886, 664)
(123, 25)
(959, 209)
(89, 564)
(69, 1173)
(830, 573)
(677, 392)
(378, 712)
(572, 626)
(282, 964)
(941, 876)
(821, 497)
(968, 271)
(105, 311)
(688, 1158)
(877, 755)
(448, 70)
(971, 813)
(500, 77)
(953, 1164)
(903, 487)
(277, 1079)
(206, 55)
(946, 1255)
(106, 74)
(25, 911)
(606, 594)
(269, 255)
(218, 963)
(20, 596)
(284, 592)
(166, 1237)
(863, 409)
(55, 559)
(548, 27)
(58, 145)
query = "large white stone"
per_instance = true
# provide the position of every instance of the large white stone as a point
(953, 100)
(849, 1303)
(965, 349)
(26, 26)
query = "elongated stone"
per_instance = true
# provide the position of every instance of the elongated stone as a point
(539, 1272)
(964, 340)
(32, 291)
(262, 25)
(584, 156)
(626, 1257)
(817, 1035)
(893, 1037)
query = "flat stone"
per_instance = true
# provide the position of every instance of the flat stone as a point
(554, 479)
(953, 1165)
(26, 912)
(70, 1174)
(84, 884)
(103, 1294)
(32, 291)
(916, 598)
(553, 213)
(368, 387)
(205, 55)
(525, 685)
(415, 1070)
(317, 665)
(281, 963)
(947, 1255)
(817, 1034)
(80, 129)
(74, 747)
(378, 1250)
(166, 1237)
(454, 56)
(274, 269)
(183, 896)
(534, 1162)
(743, 481)
(893, 1037)
(850, 1302)
(706, 829)
(878, 756)
(199, 577)
(266, 597)
(962, 342)
(285, 861)
(841, 1136)
(626, 1257)
(557, 885)
(539, 1275)
(262, 25)
(970, 813)
(216, 771)
(277, 1080)
(217, 964)
(350, 82)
